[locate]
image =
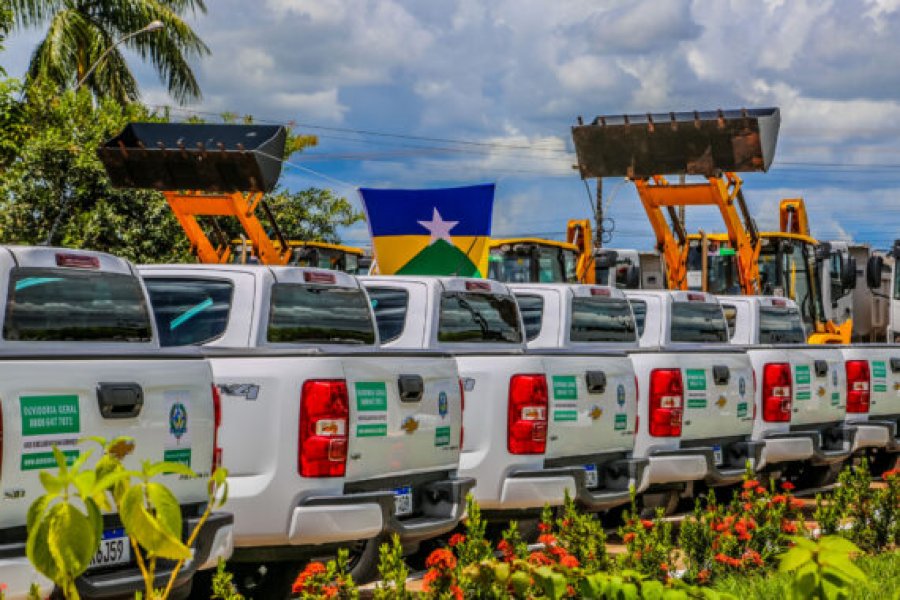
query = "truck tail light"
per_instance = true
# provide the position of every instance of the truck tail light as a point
(857, 386)
(462, 413)
(77, 261)
(527, 415)
(217, 424)
(777, 393)
(324, 415)
(666, 402)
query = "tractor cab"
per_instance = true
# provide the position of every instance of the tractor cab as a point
(532, 260)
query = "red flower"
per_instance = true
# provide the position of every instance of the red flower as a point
(567, 523)
(456, 539)
(568, 561)
(721, 558)
(796, 504)
(748, 506)
(441, 559)
(891, 473)
(750, 484)
(787, 486)
(628, 537)
(311, 570)
(547, 539)
(457, 592)
(647, 524)
(664, 567)
(543, 527)
(779, 499)
(745, 537)
(430, 577)
(788, 527)
(538, 559)
(760, 490)
(703, 576)
(506, 549)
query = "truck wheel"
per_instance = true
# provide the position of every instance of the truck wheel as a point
(261, 581)
(364, 558)
(819, 476)
(882, 461)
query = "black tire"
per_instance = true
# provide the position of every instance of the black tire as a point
(261, 581)
(882, 461)
(364, 558)
(812, 477)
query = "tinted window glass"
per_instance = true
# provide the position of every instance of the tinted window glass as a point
(730, 312)
(698, 322)
(532, 309)
(639, 308)
(389, 306)
(601, 320)
(780, 326)
(189, 311)
(319, 314)
(63, 305)
(472, 317)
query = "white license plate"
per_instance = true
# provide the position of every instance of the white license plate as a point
(403, 501)
(115, 549)
(591, 480)
(717, 455)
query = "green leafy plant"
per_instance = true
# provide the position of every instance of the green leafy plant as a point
(330, 580)
(394, 572)
(222, 585)
(651, 550)
(822, 570)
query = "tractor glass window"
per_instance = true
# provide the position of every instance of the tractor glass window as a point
(780, 326)
(319, 314)
(68, 305)
(477, 317)
(551, 265)
(509, 266)
(730, 312)
(570, 261)
(189, 311)
(639, 308)
(389, 306)
(698, 322)
(532, 309)
(601, 320)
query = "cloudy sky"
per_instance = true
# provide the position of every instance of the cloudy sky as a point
(419, 93)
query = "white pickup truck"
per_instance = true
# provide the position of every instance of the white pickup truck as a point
(80, 357)
(507, 403)
(801, 392)
(696, 393)
(330, 441)
(581, 332)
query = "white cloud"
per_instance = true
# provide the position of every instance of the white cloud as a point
(323, 105)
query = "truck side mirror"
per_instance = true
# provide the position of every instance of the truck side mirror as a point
(633, 278)
(823, 251)
(848, 274)
(874, 267)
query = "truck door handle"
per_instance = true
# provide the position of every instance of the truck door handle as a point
(721, 374)
(895, 365)
(120, 400)
(411, 387)
(595, 381)
(821, 367)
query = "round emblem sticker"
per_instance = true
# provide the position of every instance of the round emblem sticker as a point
(620, 395)
(742, 386)
(443, 405)
(178, 420)
(834, 377)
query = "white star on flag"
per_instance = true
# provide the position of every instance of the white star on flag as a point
(439, 228)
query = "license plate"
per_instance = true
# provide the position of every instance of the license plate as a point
(403, 501)
(115, 549)
(717, 455)
(591, 479)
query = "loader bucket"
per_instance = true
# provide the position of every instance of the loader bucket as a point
(693, 143)
(209, 158)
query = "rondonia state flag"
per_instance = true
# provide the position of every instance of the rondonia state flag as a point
(430, 232)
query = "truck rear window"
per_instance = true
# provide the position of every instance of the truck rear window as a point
(389, 306)
(66, 305)
(698, 322)
(473, 317)
(639, 308)
(319, 314)
(780, 326)
(601, 320)
(532, 309)
(189, 311)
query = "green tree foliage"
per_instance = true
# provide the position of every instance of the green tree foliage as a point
(79, 32)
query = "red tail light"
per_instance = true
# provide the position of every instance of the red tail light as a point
(324, 415)
(462, 412)
(666, 402)
(777, 393)
(527, 415)
(217, 424)
(858, 386)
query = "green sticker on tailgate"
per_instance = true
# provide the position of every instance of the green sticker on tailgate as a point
(182, 455)
(621, 422)
(442, 436)
(565, 415)
(696, 380)
(45, 460)
(696, 403)
(879, 368)
(565, 387)
(371, 430)
(801, 375)
(50, 415)
(835, 398)
(741, 409)
(371, 395)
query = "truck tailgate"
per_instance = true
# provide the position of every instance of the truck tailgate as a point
(47, 403)
(819, 384)
(884, 382)
(586, 421)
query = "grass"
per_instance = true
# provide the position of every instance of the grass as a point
(882, 583)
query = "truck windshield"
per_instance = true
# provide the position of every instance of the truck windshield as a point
(303, 314)
(389, 306)
(601, 320)
(780, 326)
(475, 317)
(65, 305)
(189, 311)
(698, 322)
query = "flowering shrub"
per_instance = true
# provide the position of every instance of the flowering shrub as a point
(651, 551)
(330, 580)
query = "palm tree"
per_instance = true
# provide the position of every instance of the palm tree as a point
(80, 31)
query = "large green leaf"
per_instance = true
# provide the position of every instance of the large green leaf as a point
(794, 558)
(73, 538)
(37, 549)
(146, 530)
(166, 507)
(169, 468)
